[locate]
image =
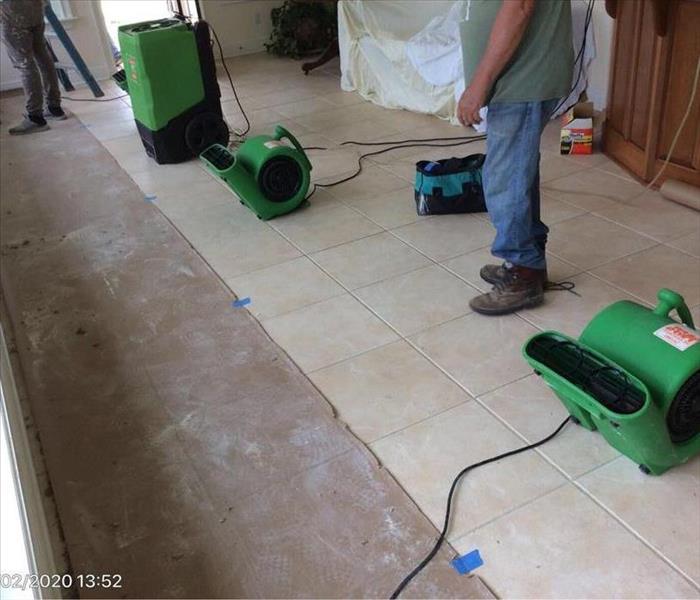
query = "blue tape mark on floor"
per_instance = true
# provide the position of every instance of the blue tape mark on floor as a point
(240, 302)
(150, 197)
(467, 562)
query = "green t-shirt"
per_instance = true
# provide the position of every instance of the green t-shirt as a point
(541, 68)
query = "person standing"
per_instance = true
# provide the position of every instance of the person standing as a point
(518, 61)
(22, 31)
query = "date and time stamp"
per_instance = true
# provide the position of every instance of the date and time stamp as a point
(31, 581)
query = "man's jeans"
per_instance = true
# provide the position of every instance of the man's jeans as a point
(512, 180)
(26, 47)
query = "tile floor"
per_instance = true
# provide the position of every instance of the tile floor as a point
(371, 301)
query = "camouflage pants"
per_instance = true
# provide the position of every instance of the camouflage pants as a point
(26, 47)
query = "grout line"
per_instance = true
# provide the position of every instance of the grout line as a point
(636, 534)
(508, 512)
(405, 339)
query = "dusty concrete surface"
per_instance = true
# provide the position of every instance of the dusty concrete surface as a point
(186, 452)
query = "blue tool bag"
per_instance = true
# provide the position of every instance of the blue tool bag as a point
(451, 185)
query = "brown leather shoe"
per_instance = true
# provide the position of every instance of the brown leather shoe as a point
(521, 287)
(494, 274)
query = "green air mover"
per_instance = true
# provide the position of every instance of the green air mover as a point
(634, 375)
(171, 78)
(269, 176)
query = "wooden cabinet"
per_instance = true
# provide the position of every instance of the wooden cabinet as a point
(655, 54)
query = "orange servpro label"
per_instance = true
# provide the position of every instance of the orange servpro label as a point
(679, 336)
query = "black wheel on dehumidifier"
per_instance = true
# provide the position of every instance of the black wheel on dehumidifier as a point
(205, 129)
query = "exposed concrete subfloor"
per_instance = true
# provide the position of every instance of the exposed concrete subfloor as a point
(186, 451)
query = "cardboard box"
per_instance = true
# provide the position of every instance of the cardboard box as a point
(577, 130)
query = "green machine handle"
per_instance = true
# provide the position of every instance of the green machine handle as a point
(670, 300)
(281, 132)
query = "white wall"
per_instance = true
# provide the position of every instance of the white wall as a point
(243, 26)
(86, 30)
(599, 70)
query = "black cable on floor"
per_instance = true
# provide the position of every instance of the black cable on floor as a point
(93, 99)
(468, 140)
(463, 472)
(233, 87)
(561, 286)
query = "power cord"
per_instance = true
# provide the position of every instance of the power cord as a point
(233, 87)
(579, 56)
(93, 99)
(463, 472)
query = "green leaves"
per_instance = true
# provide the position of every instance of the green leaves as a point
(300, 28)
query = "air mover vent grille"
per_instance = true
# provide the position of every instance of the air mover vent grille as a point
(219, 157)
(602, 380)
(280, 178)
(683, 418)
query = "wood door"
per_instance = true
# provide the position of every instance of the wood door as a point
(651, 83)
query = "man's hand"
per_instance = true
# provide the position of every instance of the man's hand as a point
(473, 98)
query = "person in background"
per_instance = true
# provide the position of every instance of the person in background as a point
(518, 61)
(22, 31)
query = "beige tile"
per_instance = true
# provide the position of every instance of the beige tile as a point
(554, 166)
(232, 240)
(386, 389)
(334, 164)
(481, 353)
(110, 131)
(388, 209)
(661, 219)
(305, 107)
(285, 287)
(361, 131)
(315, 228)
(532, 409)
(197, 197)
(669, 516)
(327, 332)
(592, 189)
(156, 179)
(467, 266)
(644, 273)
(426, 457)
(419, 299)
(371, 182)
(235, 253)
(569, 313)
(344, 98)
(370, 259)
(404, 167)
(588, 241)
(688, 243)
(446, 236)
(555, 211)
(564, 545)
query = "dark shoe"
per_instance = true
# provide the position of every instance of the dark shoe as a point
(29, 125)
(521, 288)
(494, 274)
(55, 113)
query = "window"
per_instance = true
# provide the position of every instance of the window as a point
(62, 9)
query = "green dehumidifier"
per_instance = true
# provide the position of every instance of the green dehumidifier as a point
(170, 75)
(634, 375)
(269, 176)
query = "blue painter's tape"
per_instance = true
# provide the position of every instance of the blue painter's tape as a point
(150, 197)
(240, 302)
(467, 562)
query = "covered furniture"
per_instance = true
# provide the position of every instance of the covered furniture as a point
(407, 54)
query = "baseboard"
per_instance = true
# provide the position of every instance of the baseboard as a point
(245, 47)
